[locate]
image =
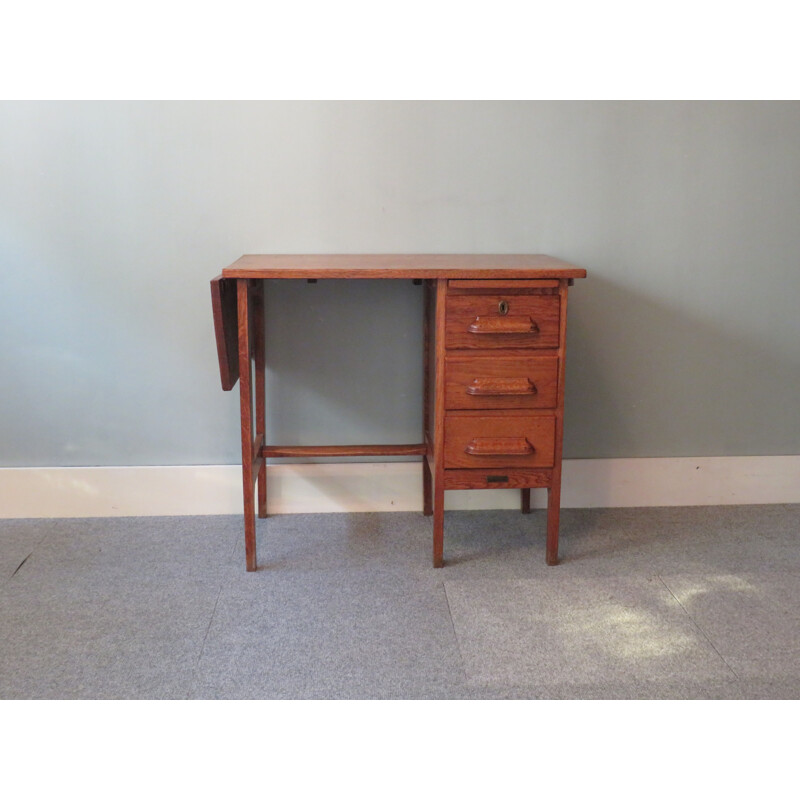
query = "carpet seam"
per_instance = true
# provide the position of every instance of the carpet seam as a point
(697, 625)
(455, 636)
(21, 564)
(208, 630)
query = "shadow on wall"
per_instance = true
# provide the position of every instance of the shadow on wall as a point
(648, 379)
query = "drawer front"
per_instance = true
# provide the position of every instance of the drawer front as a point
(500, 381)
(496, 440)
(497, 320)
(502, 478)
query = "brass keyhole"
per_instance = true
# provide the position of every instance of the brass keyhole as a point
(502, 307)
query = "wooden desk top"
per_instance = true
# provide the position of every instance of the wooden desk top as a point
(401, 266)
(315, 267)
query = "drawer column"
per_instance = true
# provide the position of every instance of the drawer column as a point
(500, 367)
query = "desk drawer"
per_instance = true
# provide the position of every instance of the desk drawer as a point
(498, 478)
(495, 440)
(502, 320)
(501, 381)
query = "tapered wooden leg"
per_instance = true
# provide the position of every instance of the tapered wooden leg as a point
(554, 492)
(525, 501)
(260, 378)
(427, 488)
(262, 490)
(251, 559)
(427, 432)
(553, 512)
(438, 423)
(438, 525)
(246, 409)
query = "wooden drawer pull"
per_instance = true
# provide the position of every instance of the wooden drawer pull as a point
(501, 386)
(499, 446)
(516, 324)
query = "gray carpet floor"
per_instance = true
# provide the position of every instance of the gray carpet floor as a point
(647, 603)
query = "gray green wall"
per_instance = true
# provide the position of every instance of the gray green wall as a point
(684, 340)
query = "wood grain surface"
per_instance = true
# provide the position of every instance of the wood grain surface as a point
(399, 266)
(495, 440)
(478, 322)
(500, 381)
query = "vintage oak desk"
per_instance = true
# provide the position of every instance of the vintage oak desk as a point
(494, 343)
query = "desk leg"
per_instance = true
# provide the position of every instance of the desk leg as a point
(246, 409)
(260, 378)
(554, 492)
(427, 436)
(525, 501)
(554, 498)
(438, 524)
(438, 425)
(553, 513)
(427, 488)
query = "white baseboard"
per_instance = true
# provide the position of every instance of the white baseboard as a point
(393, 486)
